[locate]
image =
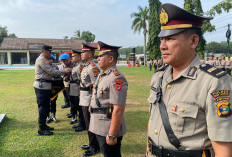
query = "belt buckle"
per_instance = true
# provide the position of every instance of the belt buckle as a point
(150, 146)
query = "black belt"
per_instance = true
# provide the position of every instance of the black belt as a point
(160, 151)
(107, 111)
(86, 88)
(42, 80)
(75, 81)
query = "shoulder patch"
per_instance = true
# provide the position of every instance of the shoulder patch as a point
(116, 72)
(161, 68)
(95, 72)
(118, 85)
(212, 70)
(93, 64)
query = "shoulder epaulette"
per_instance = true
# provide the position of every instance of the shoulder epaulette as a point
(93, 64)
(212, 70)
(116, 72)
(161, 68)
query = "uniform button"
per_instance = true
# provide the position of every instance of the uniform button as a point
(181, 110)
(156, 132)
(169, 86)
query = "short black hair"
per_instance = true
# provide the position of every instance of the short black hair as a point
(192, 31)
(114, 54)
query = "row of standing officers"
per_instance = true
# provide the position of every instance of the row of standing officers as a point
(98, 96)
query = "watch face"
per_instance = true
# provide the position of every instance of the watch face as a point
(111, 138)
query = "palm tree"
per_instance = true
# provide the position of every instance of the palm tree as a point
(139, 23)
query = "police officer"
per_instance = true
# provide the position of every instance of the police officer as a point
(212, 61)
(222, 64)
(108, 102)
(217, 62)
(88, 77)
(190, 104)
(53, 101)
(42, 86)
(228, 65)
(75, 89)
(67, 63)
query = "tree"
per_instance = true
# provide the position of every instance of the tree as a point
(153, 43)
(85, 35)
(65, 37)
(188, 6)
(139, 23)
(4, 33)
(225, 5)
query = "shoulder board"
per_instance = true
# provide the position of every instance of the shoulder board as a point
(93, 64)
(116, 72)
(161, 68)
(212, 70)
(45, 60)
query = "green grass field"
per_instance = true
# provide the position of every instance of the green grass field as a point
(18, 132)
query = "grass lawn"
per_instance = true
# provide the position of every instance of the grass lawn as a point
(18, 132)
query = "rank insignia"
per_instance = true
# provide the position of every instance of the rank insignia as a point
(80, 68)
(116, 72)
(174, 107)
(192, 71)
(95, 72)
(118, 85)
(224, 109)
(93, 64)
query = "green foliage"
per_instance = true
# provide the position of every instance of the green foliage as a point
(153, 43)
(216, 47)
(127, 51)
(4, 33)
(225, 5)
(188, 6)
(85, 35)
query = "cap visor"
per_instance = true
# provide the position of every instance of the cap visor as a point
(169, 32)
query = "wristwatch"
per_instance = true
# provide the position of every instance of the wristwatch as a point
(111, 137)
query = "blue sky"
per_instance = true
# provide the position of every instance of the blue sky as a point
(109, 20)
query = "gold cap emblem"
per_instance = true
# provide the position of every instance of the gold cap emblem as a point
(98, 47)
(163, 17)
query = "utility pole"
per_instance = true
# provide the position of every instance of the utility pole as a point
(228, 34)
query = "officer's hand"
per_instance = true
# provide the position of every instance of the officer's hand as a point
(109, 142)
(67, 71)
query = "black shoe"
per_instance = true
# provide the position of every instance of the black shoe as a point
(54, 119)
(85, 147)
(76, 126)
(73, 121)
(65, 106)
(48, 120)
(48, 128)
(69, 115)
(90, 152)
(44, 132)
(79, 129)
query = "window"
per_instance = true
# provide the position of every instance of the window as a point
(18, 58)
(3, 58)
(33, 57)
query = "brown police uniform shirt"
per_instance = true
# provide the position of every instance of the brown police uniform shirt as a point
(228, 64)
(212, 62)
(112, 89)
(89, 74)
(198, 106)
(222, 64)
(43, 70)
(75, 79)
(217, 63)
(66, 78)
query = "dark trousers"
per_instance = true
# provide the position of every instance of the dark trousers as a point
(43, 101)
(108, 150)
(66, 99)
(228, 71)
(76, 107)
(92, 137)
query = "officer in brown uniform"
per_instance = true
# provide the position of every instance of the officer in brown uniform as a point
(75, 89)
(43, 86)
(89, 75)
(228, 65)
(211, 60)
(190, 104)
(222, 64)
(108, 102)
(217, 62)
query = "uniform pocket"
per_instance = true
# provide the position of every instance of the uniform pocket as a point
(182, 117)
(103, 92)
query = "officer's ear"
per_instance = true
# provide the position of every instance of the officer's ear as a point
(194, 40)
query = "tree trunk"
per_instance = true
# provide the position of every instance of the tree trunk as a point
(144, 48)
